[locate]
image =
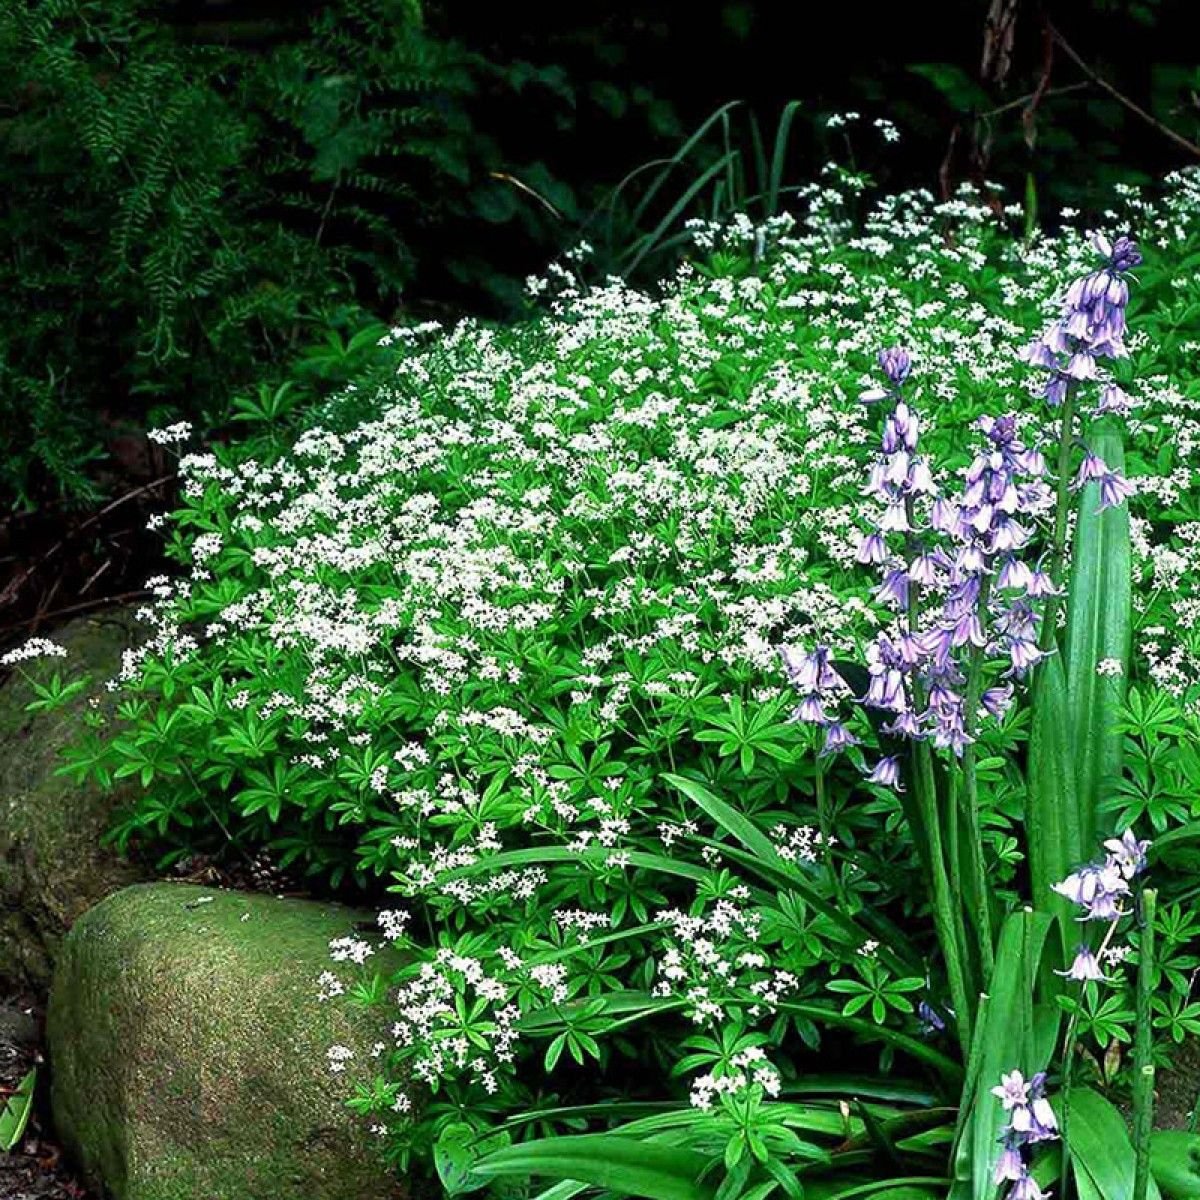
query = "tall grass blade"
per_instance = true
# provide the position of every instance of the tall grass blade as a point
(685, 148)
(779, 156)
(625, 1165)
(1051, 806)
(646, 244)
(1008, 1036)
(1099, 621)
(1101, 1152)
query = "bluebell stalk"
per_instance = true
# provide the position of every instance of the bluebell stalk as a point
(1098, 889)
(1091, 328)
(951, 568)
(1030, 1121)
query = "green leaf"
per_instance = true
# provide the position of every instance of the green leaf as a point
(1006, 1037)
(1051, 807)
(623, 1165)
(454, 1158)
(916, 1188)
(760, 854)
(1175, 1163)
(729, 819)
(14, 1116)
(876, 1032)
(1099, 621)
(1100, 1149)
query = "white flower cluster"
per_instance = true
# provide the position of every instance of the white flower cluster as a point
(171, 435)
(608, 521)
(38, 647)
(430, 1026)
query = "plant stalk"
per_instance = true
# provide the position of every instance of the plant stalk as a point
(947, 916)
(1143, 1047)
(1061, 508)
(982, 917)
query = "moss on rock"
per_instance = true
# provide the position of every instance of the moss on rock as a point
(188, 1050)
(52, 867)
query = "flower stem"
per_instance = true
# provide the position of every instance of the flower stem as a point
(981, 913)
(947, 917)
(1070, 1041)
(1143, 1046)
(1062, 505)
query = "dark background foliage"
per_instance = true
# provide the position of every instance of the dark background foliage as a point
(206, 200)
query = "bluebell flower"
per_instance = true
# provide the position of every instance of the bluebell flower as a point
(929, 1019)
(872, 550)
(1092, 467)
(1115, 489)
(1027, 1188)
(887, 773)
(996, 701)
(1084, 968)
(1030, 1120)
(1055, 390)
(837, 737)
(1010, 1166)
(1113, 399)
(1127, 853)
(1098, 889)
(812, 710)
(896, 364)
(893, 591)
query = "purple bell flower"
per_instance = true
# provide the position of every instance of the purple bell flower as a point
(1027, 1188)
(1092, 467)
(886, 772)
(1114, 490)
(1009, 1166)
(872, 550)
(837, 737)
(1127, 854)
(895, 364)
(1084, 968)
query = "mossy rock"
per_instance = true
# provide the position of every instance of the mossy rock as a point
(188, 1050)
(52, 867)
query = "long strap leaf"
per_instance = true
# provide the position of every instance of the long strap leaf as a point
(1007, 1038)
(759, 854)
(1101, 1152)
(1051, 805)
(1099, 620)
(627, 1166)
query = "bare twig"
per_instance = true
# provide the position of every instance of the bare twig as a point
(14, 586)
(998, 33)
(99, 602)
(1029, 116)
(96, 575)
(505, 177)
(1103, 83)
(1021, 101)
(944, 169)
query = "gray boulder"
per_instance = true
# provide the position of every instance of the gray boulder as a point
(188, 1050)
(52, 866)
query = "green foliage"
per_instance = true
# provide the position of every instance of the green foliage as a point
(1100, 1149)
(1011, 1030)
(1098, 631)
(203, 197)
(496, 640)
(189, 202)
(1175, 1156)
(14, 1116)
